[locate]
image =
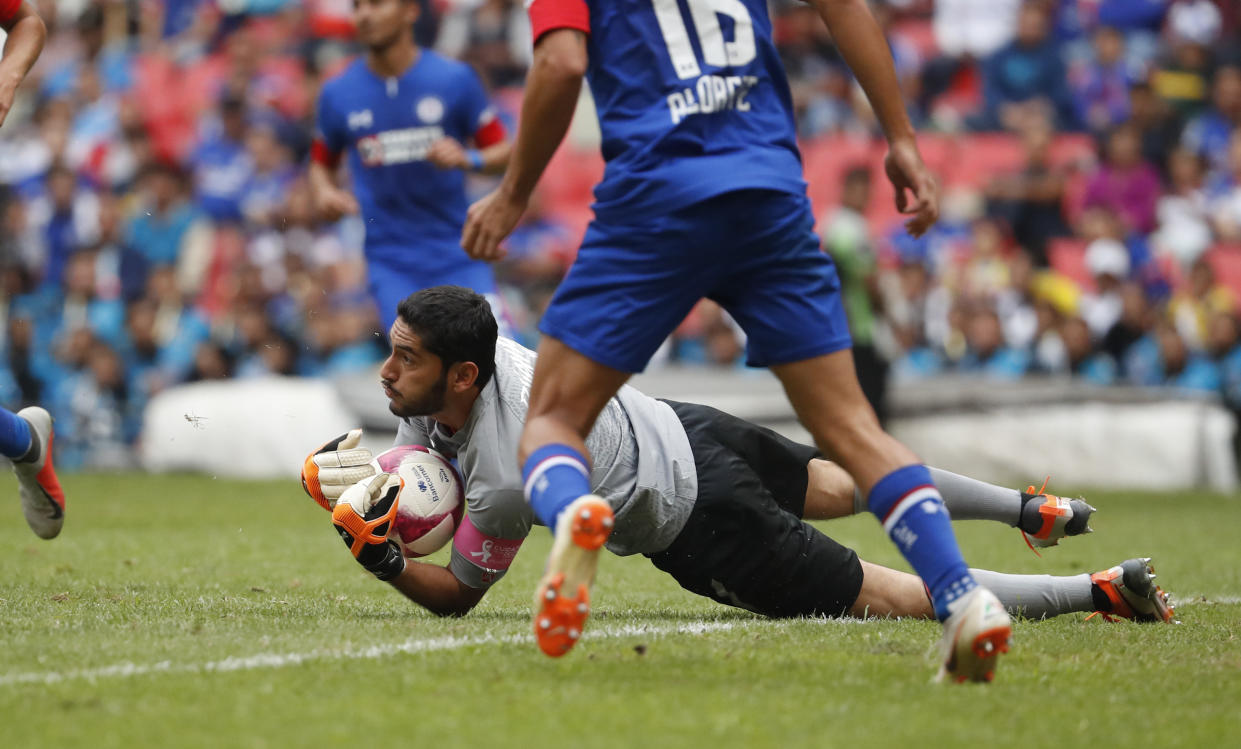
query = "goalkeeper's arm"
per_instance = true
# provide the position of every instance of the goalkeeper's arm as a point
(436, 589)
(362, 516)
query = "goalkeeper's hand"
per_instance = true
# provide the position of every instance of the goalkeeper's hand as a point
(363, 516)
(336, 466)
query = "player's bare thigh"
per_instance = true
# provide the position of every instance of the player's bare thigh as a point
(568, 393)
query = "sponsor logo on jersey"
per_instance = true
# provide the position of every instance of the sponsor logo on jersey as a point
(398, 146)
(360, 120)
(712, 93)
(429, 109)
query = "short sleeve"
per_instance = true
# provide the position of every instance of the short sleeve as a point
(549, 15)
(8, 11)
(330, 139)
(478, 118)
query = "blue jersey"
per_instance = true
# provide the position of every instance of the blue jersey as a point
(691, 95)
(413, 210)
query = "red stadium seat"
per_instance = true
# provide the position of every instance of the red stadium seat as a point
(1067, 257)
(1225, 261)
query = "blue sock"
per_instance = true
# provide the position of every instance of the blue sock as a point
(914, 517)
(14, 434)
(554, 476)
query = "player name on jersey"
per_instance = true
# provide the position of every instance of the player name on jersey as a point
(712, 93)
(398, 146)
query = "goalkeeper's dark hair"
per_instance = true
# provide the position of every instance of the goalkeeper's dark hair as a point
(454, 323)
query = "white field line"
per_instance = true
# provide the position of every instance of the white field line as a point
(282, 660)
(413, 646)
(1197, 599)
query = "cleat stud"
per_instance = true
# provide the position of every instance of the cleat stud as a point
(549, 595)
(574, 634)
(584, 515)
(1146, 560)
(545, 623)
(582, 608)
(607, 522)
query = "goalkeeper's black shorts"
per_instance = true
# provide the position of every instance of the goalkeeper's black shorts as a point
(745, 543)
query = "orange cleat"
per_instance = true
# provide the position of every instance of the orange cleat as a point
(1057, 517)
(1131, 588)
(43, 501)
(562, 599)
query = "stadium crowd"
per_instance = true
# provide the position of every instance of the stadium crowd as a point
(156, 226)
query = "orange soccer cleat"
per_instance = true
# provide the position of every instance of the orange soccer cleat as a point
(1131, 588)
(562, 599)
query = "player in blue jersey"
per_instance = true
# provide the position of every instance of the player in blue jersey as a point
(412, 123)
(703, 197)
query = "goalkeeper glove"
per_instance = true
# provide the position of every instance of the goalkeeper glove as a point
(363, 516)
(336, 466)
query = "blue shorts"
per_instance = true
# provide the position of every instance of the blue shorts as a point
(390, 281)
(752, 251)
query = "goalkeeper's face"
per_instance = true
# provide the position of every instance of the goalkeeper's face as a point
(414, 379)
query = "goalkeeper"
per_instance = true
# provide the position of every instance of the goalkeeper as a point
(718, 503)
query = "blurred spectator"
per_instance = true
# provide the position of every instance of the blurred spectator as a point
(1182, 77)
(492, 35)
(1157, 124)
(1082, 360)
(1026, 78)
(1208, 134)
(67, 217)
(164, 225)
(1135, 322)
(1184, 228)
(1101, 85)
(986, 352)
(1192, 306)
(1108, 262)
(1030, 199)
(1125, 183)
(222, 166)
(1162, 358)
(211, 362)
(1225, 195)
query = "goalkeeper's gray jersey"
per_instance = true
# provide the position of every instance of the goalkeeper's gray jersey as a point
(642, 464)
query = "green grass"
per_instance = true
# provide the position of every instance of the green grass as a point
(172, 574)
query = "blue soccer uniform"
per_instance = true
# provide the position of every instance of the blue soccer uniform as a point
(412, 209)
(703, 193)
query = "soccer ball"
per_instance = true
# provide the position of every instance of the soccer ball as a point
(431, 503)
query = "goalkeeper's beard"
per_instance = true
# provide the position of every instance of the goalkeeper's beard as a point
(431, 403)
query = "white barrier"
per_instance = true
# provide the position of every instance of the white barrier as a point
(1165, 445)
(1082, 437)
(241, 428)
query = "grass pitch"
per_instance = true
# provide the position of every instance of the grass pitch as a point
(185, 612)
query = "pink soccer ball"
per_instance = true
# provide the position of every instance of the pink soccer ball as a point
(432, 500)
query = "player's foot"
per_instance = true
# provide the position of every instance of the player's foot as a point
(1046, 518)
(43, 501)
(1131, 588)
(562, 600)
(975, 634)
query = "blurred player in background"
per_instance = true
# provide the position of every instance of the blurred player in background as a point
(412, 123)
(703, 197)
(715, 501)
(26, 436)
